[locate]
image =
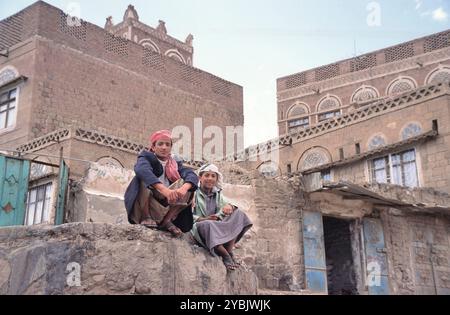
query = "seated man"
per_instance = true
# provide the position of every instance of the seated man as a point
(218, 225)
(161, 192)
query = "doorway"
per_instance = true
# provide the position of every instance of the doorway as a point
(341, 273)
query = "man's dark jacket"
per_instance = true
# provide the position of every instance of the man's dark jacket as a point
(148, 169)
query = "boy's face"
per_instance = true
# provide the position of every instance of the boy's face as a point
(162, 148)
(208, 180)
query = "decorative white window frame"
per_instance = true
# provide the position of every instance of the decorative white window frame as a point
(408, 125)
(314, 150)
(372, 137)
(328, 96)
(399, 80)
(9, 69)
(147, 42)
(114, 161)
(362, 88)
(320, 112)
(435, 71)
(174, 52)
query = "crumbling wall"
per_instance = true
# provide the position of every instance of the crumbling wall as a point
(277, 249)
(84, 258)
(99, 195)
(418, 252)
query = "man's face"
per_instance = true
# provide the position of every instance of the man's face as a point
(208, 180)
(162, 148)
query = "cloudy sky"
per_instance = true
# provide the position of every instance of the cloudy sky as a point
(254, 42)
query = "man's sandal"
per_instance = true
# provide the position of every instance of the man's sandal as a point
(149, 223)
(170, 227)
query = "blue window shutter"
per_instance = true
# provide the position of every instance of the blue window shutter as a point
(377, 271)
(314, 252)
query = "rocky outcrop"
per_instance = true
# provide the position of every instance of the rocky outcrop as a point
(86, 258)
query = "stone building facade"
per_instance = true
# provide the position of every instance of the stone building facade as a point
(356, 200)
(155, 39)
(98, 93)
(369, 140)
(62, 73)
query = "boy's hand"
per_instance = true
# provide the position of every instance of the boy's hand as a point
(228, 210)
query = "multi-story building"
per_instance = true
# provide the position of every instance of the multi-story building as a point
(99, 93)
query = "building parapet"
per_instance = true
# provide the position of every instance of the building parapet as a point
(49, 22)
(385, 56)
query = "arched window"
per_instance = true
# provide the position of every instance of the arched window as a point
(364, 94)
(148, 43)
(401, 85)
(313, 158)
(269, 169)
(297, 122)
(441, 74)
(298, 109)
(8, 74)
(376, 142)
(411, 130)
(175, 54)
(329, 107)
(110, 161)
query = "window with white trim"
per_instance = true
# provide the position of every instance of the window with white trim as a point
(8, 108)
(38, 204)
(399, 169)
(298, 123)
(329, 115)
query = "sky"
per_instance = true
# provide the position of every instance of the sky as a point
(254, 42)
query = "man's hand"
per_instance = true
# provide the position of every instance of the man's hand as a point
(181, 192)
(228, 210)
(209, 218)
(171, 195)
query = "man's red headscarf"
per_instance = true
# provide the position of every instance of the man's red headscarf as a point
(171, 169)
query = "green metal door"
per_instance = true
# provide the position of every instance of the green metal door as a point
(62, 191)
(14, 175)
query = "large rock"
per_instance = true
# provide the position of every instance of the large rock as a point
(84, 258)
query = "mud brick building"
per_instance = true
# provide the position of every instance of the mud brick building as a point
(100, 92)
(370, 139)
(97, 93)
(357, 202)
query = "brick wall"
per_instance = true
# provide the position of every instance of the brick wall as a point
(83, 76)
(433, 155)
